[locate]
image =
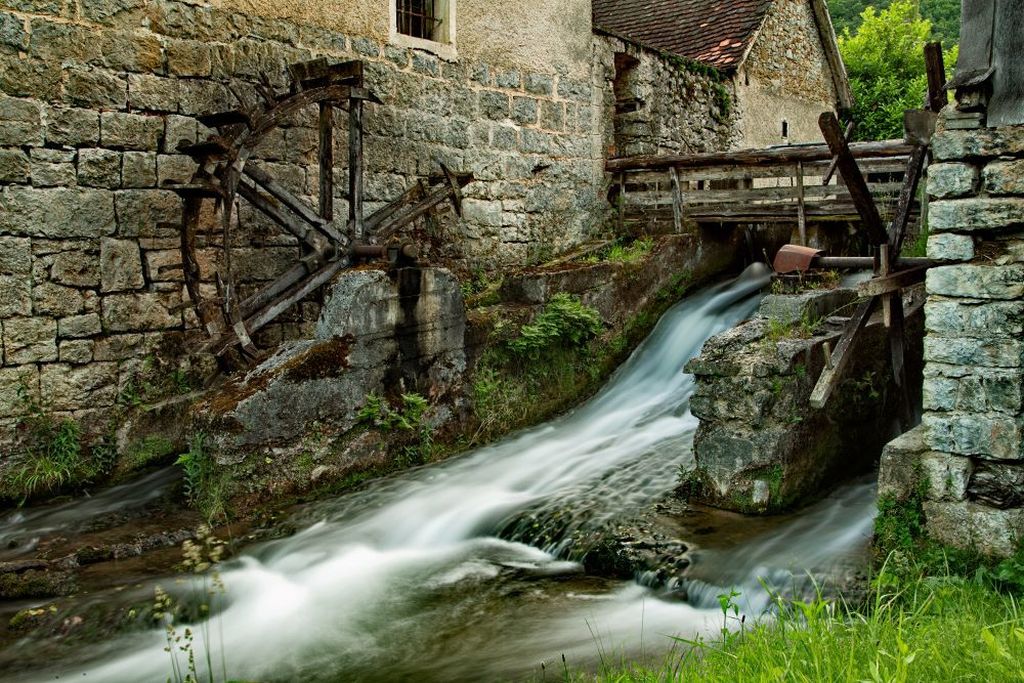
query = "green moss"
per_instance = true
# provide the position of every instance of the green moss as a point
(141, 454)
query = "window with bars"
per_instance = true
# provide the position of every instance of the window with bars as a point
(421, 19)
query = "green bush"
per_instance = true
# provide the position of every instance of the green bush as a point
(204, 484)
(564, 321)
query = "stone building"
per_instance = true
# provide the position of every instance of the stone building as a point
(967, 453)
(779, 60)
(97, 96)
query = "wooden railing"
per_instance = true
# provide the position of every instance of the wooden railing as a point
(791, 184)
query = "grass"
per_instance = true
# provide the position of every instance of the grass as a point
(623, 251)
(926, 629)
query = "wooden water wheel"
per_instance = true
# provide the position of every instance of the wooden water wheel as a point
(329, 245)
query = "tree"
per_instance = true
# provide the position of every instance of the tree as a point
(885, 62)
(944, 15)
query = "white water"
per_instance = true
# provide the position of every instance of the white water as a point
(407, 580)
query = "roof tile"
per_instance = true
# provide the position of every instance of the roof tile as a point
(715, 32)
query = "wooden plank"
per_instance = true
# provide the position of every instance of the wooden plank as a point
(1006, 108)
(831, 170)
(677, 201)
(831, 376)
(355, 169)
(893, 282)
(787, 154)
(326, 161)
(847, 165)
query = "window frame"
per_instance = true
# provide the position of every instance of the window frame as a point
(444, 48)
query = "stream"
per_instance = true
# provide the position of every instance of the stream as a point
(465, 570)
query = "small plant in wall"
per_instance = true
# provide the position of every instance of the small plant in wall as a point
(408, 415)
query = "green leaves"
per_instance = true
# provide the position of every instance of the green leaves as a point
(564, 321)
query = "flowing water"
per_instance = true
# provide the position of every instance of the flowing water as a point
(464, 571)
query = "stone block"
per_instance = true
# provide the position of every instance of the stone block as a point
(365, 46)
(397, 55)
(15, 256)
(999, 485)
(56, 300)
(14, 166)
(15, 295)
(482, 212)
(950, 247)
(68, 387)
(131, 51)
(977, 282)
(524, 110)
(1005, 177)
(29, 340)
(968, 351)
(77, 326)
(898, 470)
(569, 89)
(95, 88)
(154, 93)
(138, 170)
(131, 131)
(76, 268)
(19, 386)
(983, 142)
(939, 393)
(30, 77)
(189, 58)
(174, 168)
(58, 213)
(61, 42)
(112, 11)
(13, 37)
(947, 181)
(998, 437)
(20, 122)
(793, 309)
(137, 312)
(426, 64)
(75, 351)
(165, 265)
(99, 168)
(552, 115)
(990, 320)
(48, 169)
(975, 214)
(493, 105)
(972, 526)
(947, 475)
(180, 130)
(509, 79)
(72, 127)
(539, 84)
(119, 347)
(120, 265)
(140, 213)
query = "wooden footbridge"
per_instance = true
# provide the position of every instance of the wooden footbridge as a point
(872, 183)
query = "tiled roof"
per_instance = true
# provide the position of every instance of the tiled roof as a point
(715, 32)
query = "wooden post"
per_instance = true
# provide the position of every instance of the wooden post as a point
(355, 167)
(830, 376)
(884, 268)
(677, 200)
(935, 67)
(800, 207)
(327, 161)
(855, 184)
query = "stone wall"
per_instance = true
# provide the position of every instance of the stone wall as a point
(96, 97)
(661, 104)
(785, 78)
(759, 446)
(970, 446)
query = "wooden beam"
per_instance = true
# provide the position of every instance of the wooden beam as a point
(771, 156)
(677, 200)
(313, 239)
(855, 184)
(355, 169)
(831, 170)
(800, 207)
(283, 195)
(326, 161)
(893, 282)
(898, 229)
(831, 376)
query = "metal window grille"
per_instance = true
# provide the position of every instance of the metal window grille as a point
(419, 18)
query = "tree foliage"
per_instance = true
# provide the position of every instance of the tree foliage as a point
(885, 62)
(944, 15)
